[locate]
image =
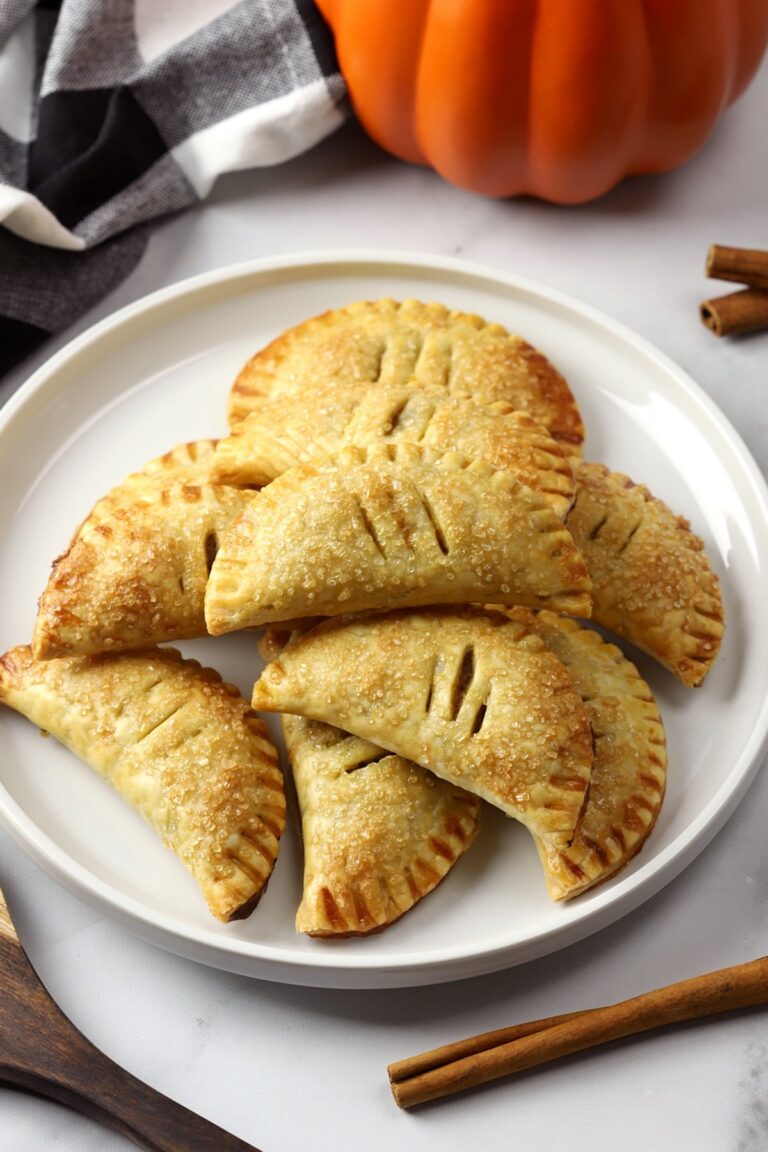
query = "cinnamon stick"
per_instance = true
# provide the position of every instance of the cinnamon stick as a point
(741, 986)
(743, 265)
(744, 311)
(411, 1066)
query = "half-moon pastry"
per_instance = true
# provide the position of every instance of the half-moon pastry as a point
(179, 745)
(392, 525)
(379, 832)
(136, 570)
(287, 432)
(472, 696)
(651, 580)
(388, 342)
(629, 772)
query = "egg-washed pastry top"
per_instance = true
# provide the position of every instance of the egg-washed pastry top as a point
(473, 696)
(628, 779)
(652, 583)
(136, 569)
(389, 341)
(287, 432)
(379, 832)
(392, 525)
(180, 745)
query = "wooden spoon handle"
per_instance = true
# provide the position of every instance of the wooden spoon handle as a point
(107, 1093)
(104, 1091)
(42, 1051)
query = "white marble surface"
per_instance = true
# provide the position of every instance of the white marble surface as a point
(293, 1069)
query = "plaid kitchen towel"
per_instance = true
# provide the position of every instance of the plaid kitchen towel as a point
(114, 112)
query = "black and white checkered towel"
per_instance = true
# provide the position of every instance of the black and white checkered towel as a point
(114, 112)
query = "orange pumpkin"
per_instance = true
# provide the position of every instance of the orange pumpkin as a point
(557, 98)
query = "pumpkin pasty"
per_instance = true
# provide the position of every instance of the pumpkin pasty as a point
(630, 766)
(178, 744)
(287, 432)
(136, 570)
(379, 832)
(472, 696)
(388, 342)
(651, 580)
(392, 525)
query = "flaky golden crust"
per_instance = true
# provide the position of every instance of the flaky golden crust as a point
(629, 773)
(651, 580)
(136, 570)
(388, 342)
(287, 432)
(379, 832)
(178, 744)
(392, 525)
(472, 696)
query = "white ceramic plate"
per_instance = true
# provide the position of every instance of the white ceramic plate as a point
(157, 373)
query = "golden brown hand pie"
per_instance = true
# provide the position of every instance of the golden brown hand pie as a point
(651, 580)
(630, 767)
(379, 832)
(388, 342)
(136, 570)
(288, 431)
(472, 696)
(179, 745)
(392, 525)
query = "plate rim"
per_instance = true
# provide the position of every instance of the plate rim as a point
(329, 968)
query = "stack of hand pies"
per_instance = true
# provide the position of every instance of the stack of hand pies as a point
(403, 505)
